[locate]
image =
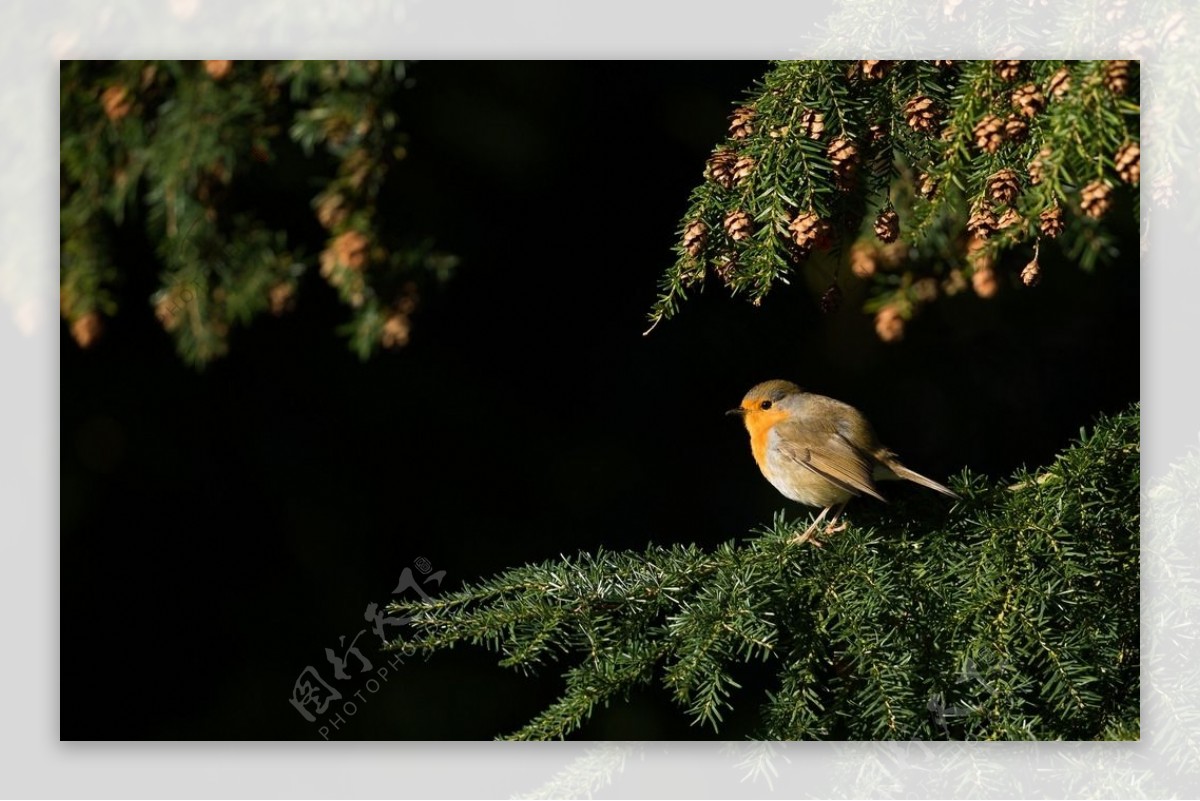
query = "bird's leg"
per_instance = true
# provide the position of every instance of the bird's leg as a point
(808, 535)
(832, 527)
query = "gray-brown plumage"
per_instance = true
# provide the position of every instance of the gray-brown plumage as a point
(818, 451)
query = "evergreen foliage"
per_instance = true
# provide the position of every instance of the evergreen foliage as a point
(828, 162)
(1012, 615)
(162, 144)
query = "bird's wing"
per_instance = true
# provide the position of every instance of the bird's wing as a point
(827, 453)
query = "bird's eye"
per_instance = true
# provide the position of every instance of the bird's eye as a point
(764, 405)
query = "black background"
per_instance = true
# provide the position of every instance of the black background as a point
(221, 529)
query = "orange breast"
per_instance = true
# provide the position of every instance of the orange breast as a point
(759, 423)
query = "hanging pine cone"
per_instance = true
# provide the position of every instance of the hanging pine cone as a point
(982, 222)
(989, 133)
(1015, 128)
(844, 155)
(741, 122)
(725, 268)
(813, 123)
(863, 260)
(1003, 187)
(1008, 70)
(926, 185)
(742, 168)
(1128, 162)
(983, 281)
(395, 330)
(694, 237)
(943, 63)
(1037, 167)
(218, 70)
(721, 166)
(738, 225)
(831, 299)
(1051, 222)
(892, 255)
(87, 329)
(1008, 219)
(117, 104)
(280, 297)
(887, 225)
(874, 70)
(810, 231)
(1032, 273)
(1116, 77)
(1060, 83)
(1095, 198)
(889, 324)
(1028, 100)
(921, 114)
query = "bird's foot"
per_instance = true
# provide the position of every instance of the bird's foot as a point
(809, 536)
(834, 527)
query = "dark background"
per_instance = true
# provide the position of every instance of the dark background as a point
(221, 529)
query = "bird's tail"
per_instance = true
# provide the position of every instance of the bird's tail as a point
(892, 469)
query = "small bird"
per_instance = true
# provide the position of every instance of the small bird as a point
(817, 450)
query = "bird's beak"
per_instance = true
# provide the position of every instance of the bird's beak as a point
(736, 411)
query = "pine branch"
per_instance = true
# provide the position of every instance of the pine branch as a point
(163, 145)
(975, 158)
(1013, 614)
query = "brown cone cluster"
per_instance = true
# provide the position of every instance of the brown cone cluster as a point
(887, 225)
(1128, 162)
(989, 133)
(1050, 222)
(1032, 274)
(1028, 100)
(280, 297)
(1008, 219)
(116, 103)
(921, 114)
(1016, 128)
(1117, 77)
(844, 155)
(742, 169)
(984, 281)
(809, 231)
(741, 122)
(1060, 83)
(1008, 70)
(1037, 167)
(738, 225)
(218, 70)
(1095, 199)
(396, 330)
(694, 237)
(721, 167)
(874, 70)
(1003, 187)
(812, 123)
(863, 260)
(87, 329)
(889, 324)
(982, 222)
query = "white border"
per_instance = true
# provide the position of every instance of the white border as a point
(1164, 35)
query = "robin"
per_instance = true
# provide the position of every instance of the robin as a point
(817, 450)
